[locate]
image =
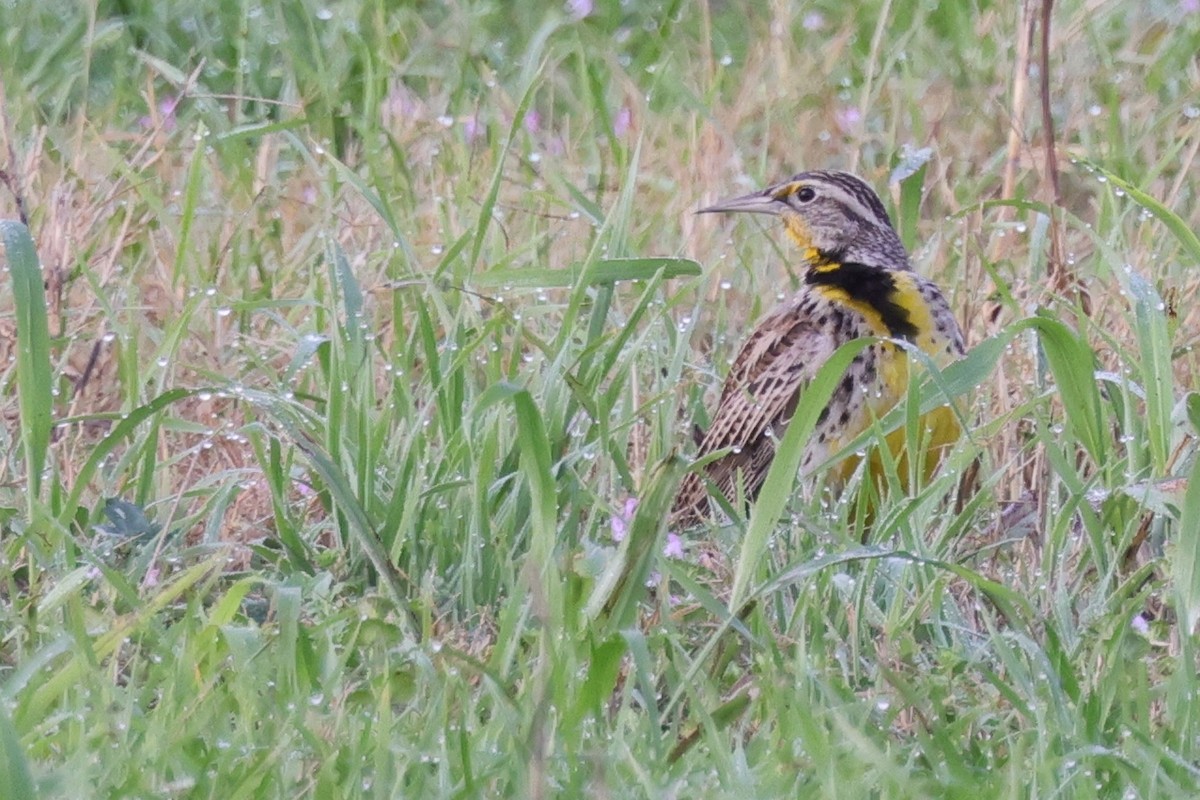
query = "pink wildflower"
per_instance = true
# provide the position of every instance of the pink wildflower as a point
(620, 521)
(674, 546)
(579, 9)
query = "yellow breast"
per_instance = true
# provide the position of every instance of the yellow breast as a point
(937, 334)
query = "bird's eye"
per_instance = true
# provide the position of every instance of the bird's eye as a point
(806, 195)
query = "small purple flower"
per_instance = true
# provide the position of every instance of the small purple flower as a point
(813, 21)
(579, 9)
(473, 129)
(1189, 6)
(166, 110)
(532, 121)
(674, 546)
(620, 522)
(848, 118)
(623, 121)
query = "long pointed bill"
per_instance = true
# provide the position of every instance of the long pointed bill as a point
(757, 203)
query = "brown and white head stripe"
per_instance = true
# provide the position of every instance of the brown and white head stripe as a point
(834, 217)
(855, 196)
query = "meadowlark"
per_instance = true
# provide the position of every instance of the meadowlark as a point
(857, 283)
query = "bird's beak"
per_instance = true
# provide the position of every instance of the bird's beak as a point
(763, 202)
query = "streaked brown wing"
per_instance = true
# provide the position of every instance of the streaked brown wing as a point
(759, 394)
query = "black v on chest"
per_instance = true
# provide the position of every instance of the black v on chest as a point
(873, 286)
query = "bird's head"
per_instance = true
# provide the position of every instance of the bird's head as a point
(832, 216)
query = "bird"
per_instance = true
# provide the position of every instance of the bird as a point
(857, 281)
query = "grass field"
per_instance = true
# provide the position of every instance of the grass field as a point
(359, 327)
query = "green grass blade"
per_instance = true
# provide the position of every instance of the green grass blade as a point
(1154, 346)
(781, 478)
(910, 174)
(342, 490)
(1185, 565)
(34, 373)
(1175, 224)
(191, 199)
(541, 569)
(102, 646)
(1073, 364)
(532, 58)
(15, 775)
(120, 432)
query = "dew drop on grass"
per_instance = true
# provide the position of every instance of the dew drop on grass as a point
(324, 14)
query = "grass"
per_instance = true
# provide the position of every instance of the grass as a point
(356, 327)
